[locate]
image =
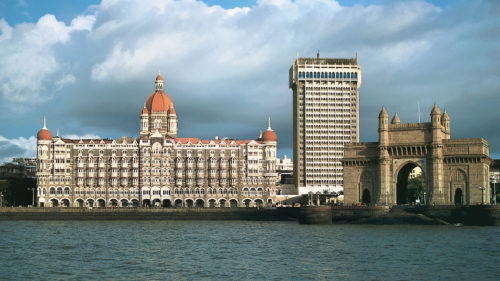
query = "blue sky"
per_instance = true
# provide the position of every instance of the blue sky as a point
(89, 65)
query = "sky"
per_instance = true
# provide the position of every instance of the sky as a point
(90, 65)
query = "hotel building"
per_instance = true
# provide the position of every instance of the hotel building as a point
(325, 117)
(156, 169)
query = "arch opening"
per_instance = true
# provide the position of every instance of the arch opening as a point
(410, 186)
(178, 203)
(459, 197)
(167, 203)
(233, 203)
(200, 203)
(366, 198)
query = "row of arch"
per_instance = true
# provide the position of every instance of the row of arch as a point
(166, 203)
(328, 75)
(457, 192)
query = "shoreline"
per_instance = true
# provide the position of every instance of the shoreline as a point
(377, 215)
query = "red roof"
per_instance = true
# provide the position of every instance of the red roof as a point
(44, 134)
(158, 102)
(159, 77)
(269, 135)
(197, 140)
(172, 110)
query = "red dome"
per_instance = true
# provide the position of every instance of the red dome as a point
(269, 135)
(159, 102)
(44, 134)
(144, 111)
(159, 77)
(172, 110)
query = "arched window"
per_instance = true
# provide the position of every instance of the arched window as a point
(59, 191)
(157, 123)
(66, 191)
(52, 191)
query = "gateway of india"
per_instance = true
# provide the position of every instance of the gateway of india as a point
(455, 171)
(158, 168)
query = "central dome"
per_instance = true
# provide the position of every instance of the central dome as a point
(159, 102)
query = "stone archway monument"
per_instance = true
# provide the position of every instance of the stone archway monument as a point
(455, 171)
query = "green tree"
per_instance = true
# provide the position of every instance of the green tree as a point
(416, 188)
(17, 192)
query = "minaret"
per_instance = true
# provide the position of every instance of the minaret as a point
(159, 82)
(436, 124)
(144, 121)
(383, 127)
(445, 121)
(395, 119)
(172, 122)
(383, 158)
(436, 159)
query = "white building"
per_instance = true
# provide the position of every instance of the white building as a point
(325, 117)
(158, 168)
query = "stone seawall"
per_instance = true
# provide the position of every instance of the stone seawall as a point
(146, 214)
(467, 215)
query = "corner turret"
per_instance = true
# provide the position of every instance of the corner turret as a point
(445, 122)
(395, 119)
(383, 127)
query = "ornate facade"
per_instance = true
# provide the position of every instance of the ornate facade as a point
(455, 171)
(158, 168)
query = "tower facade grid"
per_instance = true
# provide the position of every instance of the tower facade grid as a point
(325, 118)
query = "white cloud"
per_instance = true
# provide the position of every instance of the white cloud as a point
(20, 147)
(67, 79)
(78, 137)
(83, 23)
(28, 57)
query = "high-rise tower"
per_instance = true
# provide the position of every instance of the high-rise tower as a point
(325, 117)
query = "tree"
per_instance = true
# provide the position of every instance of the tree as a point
(416, 188)
(17, 192)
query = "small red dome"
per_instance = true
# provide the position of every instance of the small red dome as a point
(44, 134)
(144, 111)
(269, 135)
(159, 77)
(158, 102)
(172, 110)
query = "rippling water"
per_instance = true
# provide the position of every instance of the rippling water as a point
(241, 250)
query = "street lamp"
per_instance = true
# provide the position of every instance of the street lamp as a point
(1, 199)
(424, 197)
(482, 193)
(386, 195)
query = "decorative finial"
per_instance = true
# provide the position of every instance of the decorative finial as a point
(44, 122)
(57, 133)
(317, 55)
(269, 124)
(260, 134)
